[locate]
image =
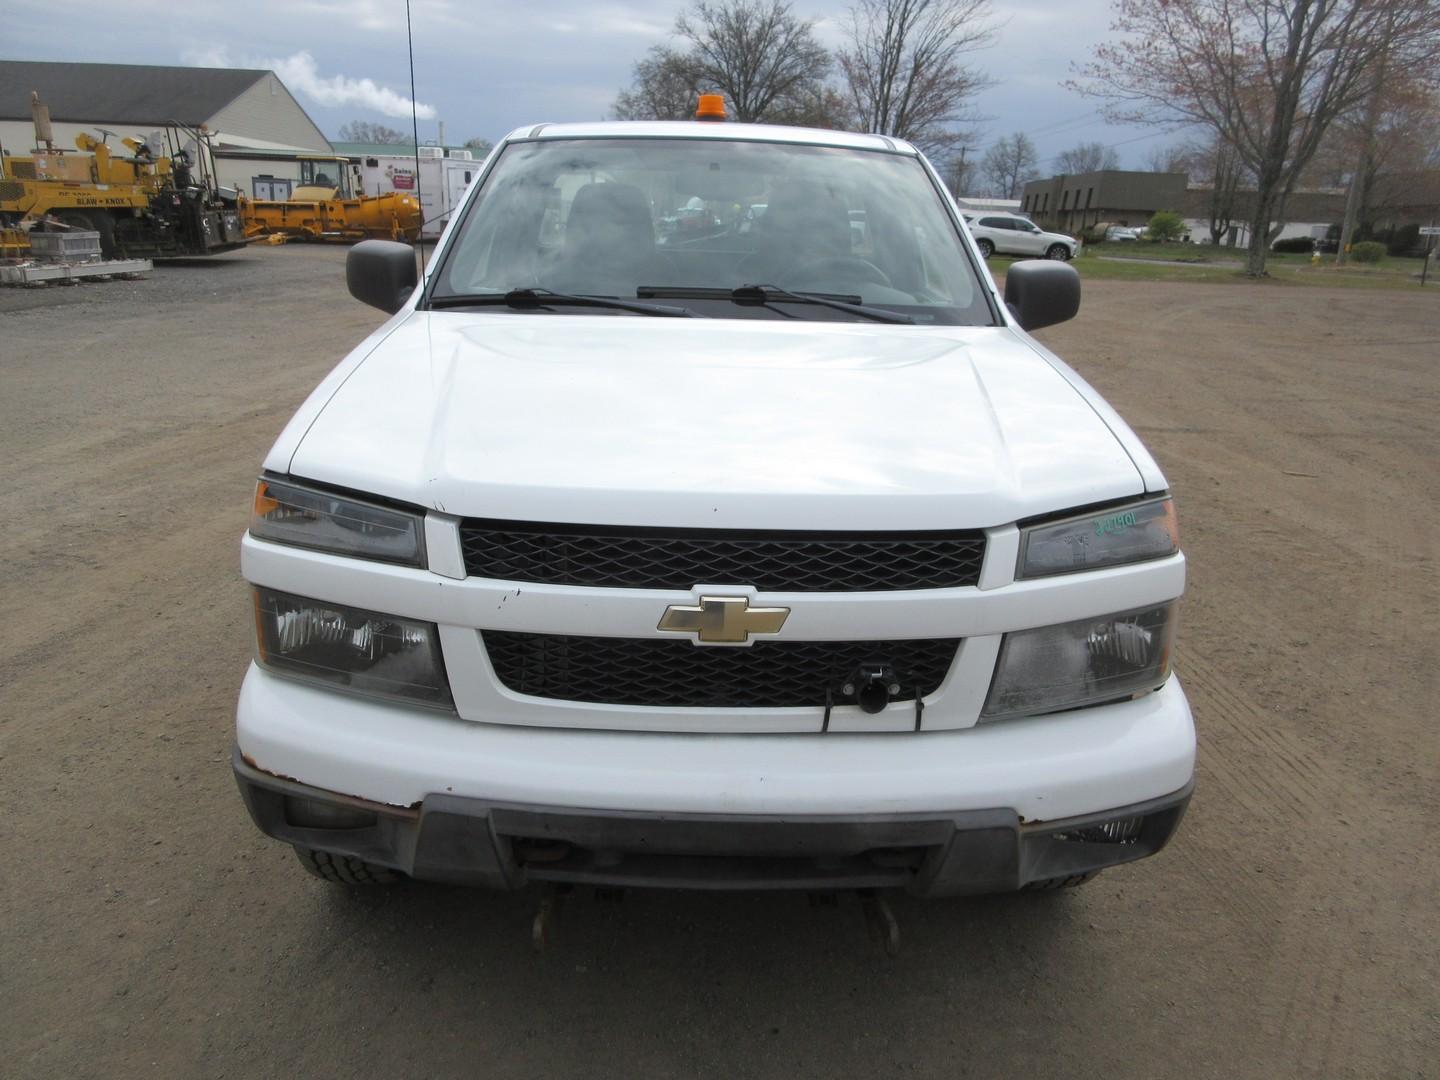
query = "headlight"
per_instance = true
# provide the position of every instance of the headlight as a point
(1081, 663)
(307, 517)
(364, 651)
(1126, 534)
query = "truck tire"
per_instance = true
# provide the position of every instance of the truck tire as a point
(344, 869)
(1073, 881)
(105, 226)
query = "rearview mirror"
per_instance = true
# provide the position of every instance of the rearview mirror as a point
(381, 273)
(1042, 293)
(715, 184)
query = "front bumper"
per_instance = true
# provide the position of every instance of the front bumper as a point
(506, 846)
(974, 810)
(1045, 768)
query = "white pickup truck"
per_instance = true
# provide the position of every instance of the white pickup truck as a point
(778, 555)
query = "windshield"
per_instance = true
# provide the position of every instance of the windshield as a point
(632, 218)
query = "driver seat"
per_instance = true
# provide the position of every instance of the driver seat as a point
(804, 222)
(609, 245)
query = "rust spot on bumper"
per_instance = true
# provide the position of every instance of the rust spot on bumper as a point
(408, 813)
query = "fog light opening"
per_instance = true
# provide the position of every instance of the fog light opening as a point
(1119, 831)
(313, 814)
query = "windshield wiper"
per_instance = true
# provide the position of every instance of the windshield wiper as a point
(540, 297)
(761, 294)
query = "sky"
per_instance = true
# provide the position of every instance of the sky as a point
(484, 68)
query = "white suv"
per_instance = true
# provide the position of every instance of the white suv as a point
(779, 557)
(1011, 234)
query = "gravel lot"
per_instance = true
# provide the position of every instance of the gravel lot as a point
(147, 929)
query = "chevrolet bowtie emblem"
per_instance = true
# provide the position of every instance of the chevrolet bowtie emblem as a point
(723, 619)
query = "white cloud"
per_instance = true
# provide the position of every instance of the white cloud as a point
(301, 74)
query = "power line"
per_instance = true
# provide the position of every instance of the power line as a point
(1138, 138)
(1057, 125)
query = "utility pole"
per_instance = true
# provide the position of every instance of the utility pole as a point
(958, 173)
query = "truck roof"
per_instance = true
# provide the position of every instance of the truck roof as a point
(653, 129)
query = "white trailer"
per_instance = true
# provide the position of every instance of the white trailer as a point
(443, 177)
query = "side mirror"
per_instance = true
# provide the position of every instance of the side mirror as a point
(381, 273)
(1042, 293)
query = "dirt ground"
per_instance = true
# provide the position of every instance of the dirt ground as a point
(1292, 929)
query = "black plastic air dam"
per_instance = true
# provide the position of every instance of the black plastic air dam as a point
(505, 846)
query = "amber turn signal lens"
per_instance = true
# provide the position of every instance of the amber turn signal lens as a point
(265, 504)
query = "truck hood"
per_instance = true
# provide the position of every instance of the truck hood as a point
(714, 423)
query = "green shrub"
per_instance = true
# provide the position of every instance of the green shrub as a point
(1368, 251)
(1293, 245)
(1165, 225)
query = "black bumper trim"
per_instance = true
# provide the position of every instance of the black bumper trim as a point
(505, 846)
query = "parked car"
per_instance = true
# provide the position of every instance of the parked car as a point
(685, 222)
(1118, 234)
(761, 564)
(1011, 234)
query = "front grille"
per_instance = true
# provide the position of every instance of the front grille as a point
(648, 558)
(652, 671)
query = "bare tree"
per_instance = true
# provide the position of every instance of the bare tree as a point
(1217, 168)
(1268, 76)
(1086, 158)
(666, 86)
(1008, 164)
(363, 131)
(1378, 150)
(1213, 168)
(818, 106)
(904, 66)
(1169, 157)
(757, 53)
(1406, 139)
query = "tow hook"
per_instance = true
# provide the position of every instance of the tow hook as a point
(872, 686)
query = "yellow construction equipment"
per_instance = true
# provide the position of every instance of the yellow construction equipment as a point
(327, 206)
(13, 243)
(147, 204)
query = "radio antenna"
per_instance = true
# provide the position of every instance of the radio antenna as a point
(415, 130)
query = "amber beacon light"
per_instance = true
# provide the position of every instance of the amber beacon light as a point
(711, 107)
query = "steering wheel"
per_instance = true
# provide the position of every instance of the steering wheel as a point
(843, 265)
